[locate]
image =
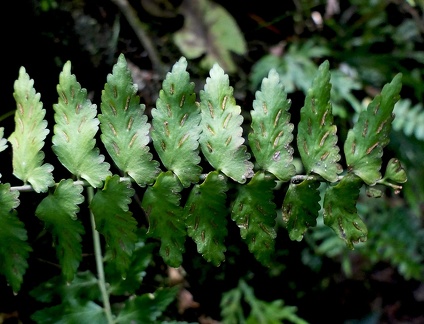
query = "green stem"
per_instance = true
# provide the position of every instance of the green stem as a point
(99, 263)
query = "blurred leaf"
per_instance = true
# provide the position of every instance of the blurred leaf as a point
(176, 127)
(14, 248)
(114, 221)
(3, 141)
(147, 307)
(271, 131)
(340, 210)
(365, 141)
(205, 216)
(161, 203)
(300, 208)
(125, 131)
(211, 31)
(221, 140)
(255, 212)
(75, 129)
(29, 135)
(317, 139)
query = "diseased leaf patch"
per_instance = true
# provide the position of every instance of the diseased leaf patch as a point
(205, 216)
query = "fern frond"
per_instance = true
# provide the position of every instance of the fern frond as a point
(161, 202)
(340, 210)
(14, 248)
(125, 131)
(317, 138)
(271, 131)
(409, 119)
(114, 220)
(254, 212)
(75, 129)
(205, 214)
(301, 208)
(176, 127)
(221, 139)
(28, 138)
(59, 211)
(365, 141)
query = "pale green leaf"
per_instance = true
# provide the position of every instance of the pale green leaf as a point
(340, 210)
(271, 131)
(3, 141)
(221, 139)
(365, 141)
(59, 211)
(147, 308)
(211, 31)
(14, 248)
(28, 138)
(161, 202)
(205, 213)
(317, 139)
(176, 127)
(125, 131)
(255, 212)
(301, 208)
(114, 220)
(395, 172)
(75, 130)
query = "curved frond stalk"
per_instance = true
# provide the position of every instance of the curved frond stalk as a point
(14, 248)
(340, 210)
(125, 131)
(75, 129)
(114, 220)
(161, 203)
(221, 139)
(317, 138)
(301, 208)
(176, 129)
(255, 212)
(28, 138)
(271, 131)
(365, 141)
(205, 216)
(59, 211)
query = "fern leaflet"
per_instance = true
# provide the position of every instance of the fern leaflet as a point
(28, 138)
(59, 211)
(76, 126)
(125, 131)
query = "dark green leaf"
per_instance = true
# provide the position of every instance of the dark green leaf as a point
(114, 221)
(59, 211)
(14, 248)
(340, 210)
(301, 207)
(205, 213)
(271, 131)
(176, 127)
(317, 139)
(255, 212)
(161, 202)
(365, 141)
(125, 131)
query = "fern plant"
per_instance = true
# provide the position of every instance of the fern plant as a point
(208, 171)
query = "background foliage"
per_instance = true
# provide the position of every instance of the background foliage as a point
(366, 42)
